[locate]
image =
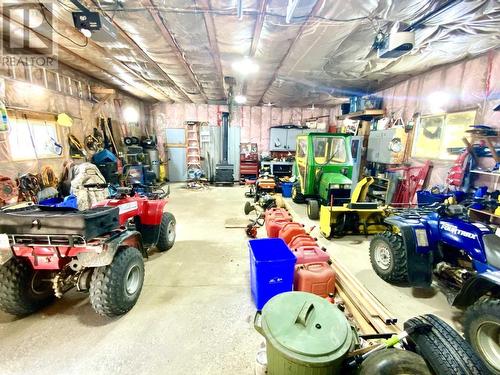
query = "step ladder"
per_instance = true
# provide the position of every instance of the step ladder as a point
(193, 146)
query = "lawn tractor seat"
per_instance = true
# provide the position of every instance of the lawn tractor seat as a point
(492, 249)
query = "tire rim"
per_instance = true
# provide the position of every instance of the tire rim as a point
(383, 257)
(171, 232)
(487, 337)
(132, 281)
(39, 285)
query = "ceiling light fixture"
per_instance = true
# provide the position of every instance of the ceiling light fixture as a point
(86, 32)
(240, 99)
(438, 101)
(245, 66)
(131, 114)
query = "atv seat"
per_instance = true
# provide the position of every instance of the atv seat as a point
(492, 249)
(363, 206)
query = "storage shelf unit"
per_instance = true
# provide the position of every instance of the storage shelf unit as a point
(490, 141)
(367, 114)
(278, 168)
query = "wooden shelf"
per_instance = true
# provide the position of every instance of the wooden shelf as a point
(484, 213)
(484, 216)
(362, 115)
(488, 139)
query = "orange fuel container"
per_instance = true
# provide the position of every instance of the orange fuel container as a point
(277, 213)
(274, 226)
(302, 240)
(310, 254)
(290, 230)
(316, 278)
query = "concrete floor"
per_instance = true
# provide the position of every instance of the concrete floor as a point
(195, 314)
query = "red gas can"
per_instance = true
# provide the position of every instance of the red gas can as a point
(316, 278)
(274, 226)
(290, 230)
(310, 254)
(277, 213)
(302, 240)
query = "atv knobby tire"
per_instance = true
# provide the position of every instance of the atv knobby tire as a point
(22, 289)
(297, 195)
(481, 329)
(313, 209)
(446, 352)
(166, 237)
(115, 289)
(388, 257)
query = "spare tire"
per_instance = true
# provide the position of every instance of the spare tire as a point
(446, 352)
(394, 362)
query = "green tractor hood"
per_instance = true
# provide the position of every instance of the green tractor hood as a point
(332, 179)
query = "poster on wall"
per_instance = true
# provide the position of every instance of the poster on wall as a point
(4, 118)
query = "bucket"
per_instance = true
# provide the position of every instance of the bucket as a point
(286, 189)
(272, 267)
(305, 335)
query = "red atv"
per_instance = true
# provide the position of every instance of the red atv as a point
(45, 252)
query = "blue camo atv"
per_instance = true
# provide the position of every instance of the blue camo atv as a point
(463, 255)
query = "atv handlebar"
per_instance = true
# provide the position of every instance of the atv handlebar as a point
(95, 186)
(150, 191)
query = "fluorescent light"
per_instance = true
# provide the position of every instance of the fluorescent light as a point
(239, 9)
(240, 99)
(292, 4)
(438, 101)
(131, 114)
(245, 66)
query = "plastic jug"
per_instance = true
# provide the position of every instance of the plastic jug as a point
(290, 230)
(316, 278)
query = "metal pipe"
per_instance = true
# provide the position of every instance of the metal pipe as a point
(420, 22)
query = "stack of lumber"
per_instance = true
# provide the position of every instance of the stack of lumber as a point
(366, 310)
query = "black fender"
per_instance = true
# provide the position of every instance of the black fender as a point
(477, 286)
(110, 248)
(419, 264)
(150, 233)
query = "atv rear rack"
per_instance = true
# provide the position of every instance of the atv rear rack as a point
(73, 240)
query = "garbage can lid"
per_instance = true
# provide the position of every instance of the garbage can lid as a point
(306, 327)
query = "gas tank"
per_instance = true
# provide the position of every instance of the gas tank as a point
(464, 235)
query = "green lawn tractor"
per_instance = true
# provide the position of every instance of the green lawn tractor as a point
(323, 166)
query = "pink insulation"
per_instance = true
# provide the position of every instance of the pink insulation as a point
(254, 121)
(470, 84)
